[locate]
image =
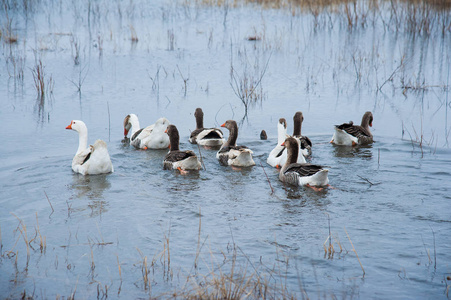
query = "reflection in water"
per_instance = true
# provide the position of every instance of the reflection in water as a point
(306, 193)
(190, 181)
(91, 187)
(40, 109)
(356, 151)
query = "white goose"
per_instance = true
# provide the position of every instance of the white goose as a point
(177, 159)
(278, 156)
(348, 134)
(301, 174)
(209, 137)
(232, 155)
(92, 160)
(151, 137)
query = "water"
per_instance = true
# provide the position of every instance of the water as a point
(391, 198)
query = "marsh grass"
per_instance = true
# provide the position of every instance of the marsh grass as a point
(22, 228)
(43, 83)
(246, 80)
(411, 16)
(134, 36)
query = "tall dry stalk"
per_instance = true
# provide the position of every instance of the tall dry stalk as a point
(42, 83)
(23, 231)
(42, 240)
(245, 84)
(353, 249)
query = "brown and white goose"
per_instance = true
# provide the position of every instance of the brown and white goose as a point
(209, 137)
(349, 134)
(305, 143)
(177, 159)
(92, 160)
(232, 155)
(150, 137)
(301, 174)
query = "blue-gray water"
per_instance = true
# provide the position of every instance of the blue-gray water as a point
(391, 198)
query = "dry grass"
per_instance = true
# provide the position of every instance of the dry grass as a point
(410, 16)
(134, 36)
(246, 80)
(42, 82)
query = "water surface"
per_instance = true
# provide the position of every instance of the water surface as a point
(391, 198)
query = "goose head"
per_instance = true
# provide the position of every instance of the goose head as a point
(162, 122)
(174, 137)
(78, 126)
(129, 119)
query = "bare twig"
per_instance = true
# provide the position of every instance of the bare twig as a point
(185, 80)
(49, 202)
(366, 179)
(267, 178)
(390, 78)
(435, 251)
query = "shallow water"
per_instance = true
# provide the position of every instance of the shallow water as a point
(391, 198)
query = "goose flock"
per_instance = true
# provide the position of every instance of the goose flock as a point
(289, 155)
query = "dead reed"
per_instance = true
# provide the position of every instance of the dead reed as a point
(23, 231)
(267, 178)
(49, 201)
(42, 82)
(42, 240)
(353, 249)
(246, 82)
(134, 36)
(185, 79)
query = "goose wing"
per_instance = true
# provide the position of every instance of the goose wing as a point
(175, 156)
(304, 169)
(354, 130)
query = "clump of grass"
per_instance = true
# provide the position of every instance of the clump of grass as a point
(246, 84)
(230, 279)
(43, 83)
(134, 36)
(23, 231)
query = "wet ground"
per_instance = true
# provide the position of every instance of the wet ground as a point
(101, 233)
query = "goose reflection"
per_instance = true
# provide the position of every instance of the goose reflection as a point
(91, 188)
(364, 152)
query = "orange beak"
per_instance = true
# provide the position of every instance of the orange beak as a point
(371, 124)
(166, 131)
(283, 144)
(125, 132)
(69, 126)
(223, 125)
(169, 146)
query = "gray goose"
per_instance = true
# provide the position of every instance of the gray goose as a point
(301, 174)
(209, 137)
(348, 134)
(232, 155)
(177, 159)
